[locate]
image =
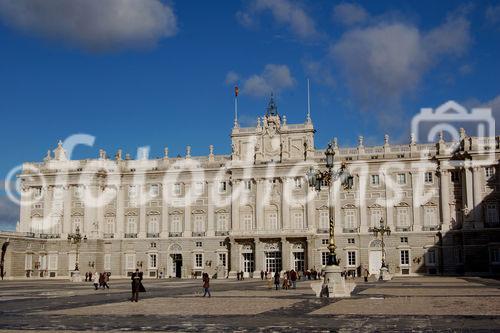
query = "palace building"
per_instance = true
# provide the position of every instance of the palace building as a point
(253, 210)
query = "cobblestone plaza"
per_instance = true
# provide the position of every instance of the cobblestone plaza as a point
(403, 304)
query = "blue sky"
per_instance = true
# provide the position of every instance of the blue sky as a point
(161, 73)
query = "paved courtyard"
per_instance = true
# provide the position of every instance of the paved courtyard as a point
(403, 304)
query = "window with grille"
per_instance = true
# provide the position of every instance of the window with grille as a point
(298, 219)
(199, 223)
(222, 259)
(154, 224)
(375, 180)
(376, 215)
(490, 172)
(404, 259)
(351, 241)
(428, 177)
(351, 258)
(404, 240)
(107, 261)
(110, 225)
(77, 223)
(430, 217)
(297, 182)
(177, 189)
(324, 258)
(491, 213)
(248, 185)
(132, 191)
(198, 261)
(154, 190)
(222, 221)
(130, 261)
(248, 221)
(401, 178)
(176, 223)
(323, 219)
(431, 257)
(222, 187)
(402, 220)
(324, 241)
(350, 219)
(28, 262)
(152, 261)
(131, 225)
(272, 220)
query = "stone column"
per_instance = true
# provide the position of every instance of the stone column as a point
(235, 259)
(310, 211)
(90, 211)
(259, 258)
(445, 200)
(363, 219)
(66, 227)
(310, 263)
(235, 207)
(259, 204)
(285, 254)
(337, 210)
(210, 209)
(187, 214)
(142, 211)
(120, 212)
(47, 209)
(468, 196)
(100, 212)
(478, 198)
(389, 205)
(286, 196)
(416, 184)
(25, 210)
(164, 230)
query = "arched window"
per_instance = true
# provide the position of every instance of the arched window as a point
(222, 224)
(153, 224)
(199, 222)
(131, 225)
(176, 224)
(246, 218)
(324, 219)
(272, 218)
(110, 224)
(298, 219)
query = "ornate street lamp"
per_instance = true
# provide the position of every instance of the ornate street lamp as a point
(384, 229)
(316, 178)
(76, 238)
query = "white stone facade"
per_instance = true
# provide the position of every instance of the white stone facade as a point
(254, 210)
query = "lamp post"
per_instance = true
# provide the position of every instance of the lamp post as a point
(383, 229)
(333, 281)
(76, 238)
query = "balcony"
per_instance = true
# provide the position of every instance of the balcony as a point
(108, 235)
(152, 235)
(130, 235)
(175, 234)
(323, 231)
(431, 228)
(403, 229)
(198, 233)
(30, 234)
(221, 233)
(50, 236)
(350, 230)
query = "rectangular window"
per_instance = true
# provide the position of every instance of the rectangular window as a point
(375, 180)
(297, 182)
(222, 259)
(351, 258)
(428, 177)
(324, 258)
(107, 262)
(28, 262)
(247, 221)
(376, 216)
(324, 241)
(298, 219)
(248, 185)
(78, 192)
(272, 220)
(154, 224)
(403, 221)
(323, 220)
(490, 172)
(53, 262)
(199, 244)
(430, 217)
(431, 257)
(154, 190)
(177, 189)
(130, 261)
(351, 241)
(198, 260)
(404, 240)
(198, 188)
(404, 257)
(495, 255)
(350, 219)
(491, 213)
(37, 192)
(401, 178)
(176, 223)
(222, 187)
(222, 221)
(131, 225)
(152, 261)
(110, 225)
(199, 223)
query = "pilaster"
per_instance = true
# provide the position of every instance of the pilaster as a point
(363, 220)
(259, 204)
(210, 209)
(142, 211)
(164, 230)
(66, 228)
(445, 200)
(120, 212)
(416, 184)
(285, 203)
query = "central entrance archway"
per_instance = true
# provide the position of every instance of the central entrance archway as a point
(375, 257)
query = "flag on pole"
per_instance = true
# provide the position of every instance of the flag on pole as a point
(236, 91)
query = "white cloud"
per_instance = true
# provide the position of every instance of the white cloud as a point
(349, 14)
(284, 12)
(320, 72)
(9, 214)
(232, 77)
(383, 62)
(494, 104)
(274, 78)
(94, 25)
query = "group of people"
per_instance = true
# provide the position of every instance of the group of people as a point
(289, 280)
(100, 280)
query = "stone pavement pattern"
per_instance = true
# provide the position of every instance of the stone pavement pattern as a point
(418, 304)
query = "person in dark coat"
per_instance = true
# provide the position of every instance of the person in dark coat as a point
(137, 286)
(262, 275)
(206, 285)
(277, 280)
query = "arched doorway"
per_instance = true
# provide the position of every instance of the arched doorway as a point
(375, 256)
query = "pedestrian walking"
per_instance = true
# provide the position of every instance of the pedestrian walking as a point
(293, 278)
(96, 280)
(285, 281)
(262, 275)
(137, 286)
(86, 276)
(366, 274)
(277, 280)
(105, 280)
(206, 285)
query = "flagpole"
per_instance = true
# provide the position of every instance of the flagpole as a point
(236, 107)
(308, 103)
